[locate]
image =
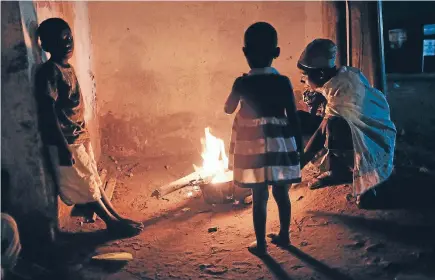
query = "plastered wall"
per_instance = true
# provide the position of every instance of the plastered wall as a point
(31, 193)
(32, 189)
(164, 69)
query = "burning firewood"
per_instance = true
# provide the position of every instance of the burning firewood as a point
(212, 177)
(193, 179)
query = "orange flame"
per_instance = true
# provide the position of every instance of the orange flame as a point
(215, 161)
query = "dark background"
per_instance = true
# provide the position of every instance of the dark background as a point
(411, 16)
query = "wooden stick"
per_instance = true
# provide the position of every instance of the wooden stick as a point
(103, 175)
(193, 179)
(110, 188)
(189, 180)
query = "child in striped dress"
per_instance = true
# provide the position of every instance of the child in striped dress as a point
(266, 142)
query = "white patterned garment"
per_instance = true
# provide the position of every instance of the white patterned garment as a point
(80, 183)
(263, 149)
(367, 112)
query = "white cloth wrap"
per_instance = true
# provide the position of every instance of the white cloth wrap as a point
(80, 183)
(367, 112)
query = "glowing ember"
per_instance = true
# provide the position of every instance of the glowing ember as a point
(215, 161)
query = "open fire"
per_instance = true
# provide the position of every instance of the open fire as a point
(215, 160)
(212, 176)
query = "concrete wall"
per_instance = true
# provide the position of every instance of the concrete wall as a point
(164, 69)
(32, 190)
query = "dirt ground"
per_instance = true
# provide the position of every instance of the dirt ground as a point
(332, 238)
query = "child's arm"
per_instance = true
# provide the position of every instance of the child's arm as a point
(233, 99)
(293, 118)
(46, 92)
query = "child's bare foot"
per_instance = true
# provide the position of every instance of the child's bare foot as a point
(258, 250)
(280, 240)
(125, 227)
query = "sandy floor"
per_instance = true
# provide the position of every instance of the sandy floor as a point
(332, 238)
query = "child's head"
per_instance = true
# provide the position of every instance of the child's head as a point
(317, 63)
(56, 38)
(261, 45)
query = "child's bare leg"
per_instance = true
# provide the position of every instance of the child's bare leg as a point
(109, 205)
(260, 197)
(136, 226)
(102, 212)
(115, 223)
(280, 193)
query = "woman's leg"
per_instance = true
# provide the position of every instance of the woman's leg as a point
(315, 144)
(340, 154)
(340, 145)
(309, 123)
(280, 193)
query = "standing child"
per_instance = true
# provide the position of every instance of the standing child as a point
(63, 128)
(266, 142)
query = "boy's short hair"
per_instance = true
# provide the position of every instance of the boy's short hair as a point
(50, 28)
(261, 35)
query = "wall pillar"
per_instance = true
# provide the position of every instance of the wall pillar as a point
(334, 27)
(31, 191)
(366, 41)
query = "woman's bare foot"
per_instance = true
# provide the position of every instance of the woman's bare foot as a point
(259, 251)
(125, 227)
(280, 240)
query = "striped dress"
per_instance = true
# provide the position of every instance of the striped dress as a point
(263, 148)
